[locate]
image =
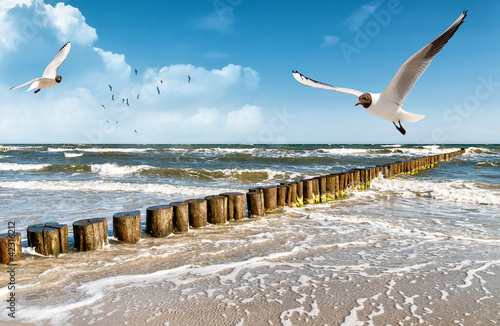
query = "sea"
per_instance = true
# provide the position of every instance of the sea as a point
(415, 249)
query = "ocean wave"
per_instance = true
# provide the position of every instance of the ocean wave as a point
(458, 191)
(112, 169)
(100, 186)
(22, 167)
(479, 150)
(66, 154)
(100, 149)
(393, 145)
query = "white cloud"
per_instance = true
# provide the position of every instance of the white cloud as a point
(330, 40)
(70, 24)
(115, 63)
(245, 119)
(358, 18)
(10, 36)
(203, 117)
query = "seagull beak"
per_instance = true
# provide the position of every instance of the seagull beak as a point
(357, 104)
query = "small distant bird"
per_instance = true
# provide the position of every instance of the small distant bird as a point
(161, 81)
(110, 88)
(127, 103)
(103, 106)
(157, 89)
(116, 121)
(107, 121)
(49, 77)
(189, 79)
(113, 97)
(123, 100)
(135, 131)
(388, 104)
(136, 72)
(138, 96)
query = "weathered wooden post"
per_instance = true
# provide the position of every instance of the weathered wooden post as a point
(127, 226)
(216, 209)
(321, 188)
(300, 193)
(308, 191)
(282, 195)
(48, 239)
(236, 205)
(330, 186)
(292, 194)
(180, 211)
(198, 216)
(270, 197)
(159, 220)
(316, 193)
(255, 201)
(90, 234)
(10, 247)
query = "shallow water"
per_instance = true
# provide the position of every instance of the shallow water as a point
(413, 249)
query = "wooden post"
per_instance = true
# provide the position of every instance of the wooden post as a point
(321, 188)
(255, 201)
(270, 197)
(236, 205)
(292, 194)
(300, 193)
(216, 209)
(127, 226)
(49, 239)
(10, 247)
(197, 212)
(316, 193)
(308, 191)
(330, 186)
(90, 234)
(282, 194)
(180, 210)
(159, 221)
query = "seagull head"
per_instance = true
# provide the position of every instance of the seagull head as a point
(365, 100)
(58, 79)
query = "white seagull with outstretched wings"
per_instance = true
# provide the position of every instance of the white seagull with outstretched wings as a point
(50, 77)
(387, 104)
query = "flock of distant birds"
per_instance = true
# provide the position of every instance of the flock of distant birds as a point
(125, 100)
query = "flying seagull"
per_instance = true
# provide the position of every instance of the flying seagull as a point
(157, 89)
(113, 97)
(50, 77)
(110, 88)
(127, 102)
(136, 72)
(138, 96)
(135, 131)
(189, 79)
(103, 106)
(387, 104)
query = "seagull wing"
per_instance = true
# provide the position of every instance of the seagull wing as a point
(316, 84)
(27, 83)
(51, 70)
(408, 74)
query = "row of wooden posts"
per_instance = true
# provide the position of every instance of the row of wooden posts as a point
(51, 239)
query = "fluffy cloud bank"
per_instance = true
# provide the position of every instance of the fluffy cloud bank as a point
(165, 105)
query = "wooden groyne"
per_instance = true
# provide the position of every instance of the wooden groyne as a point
(177, 217)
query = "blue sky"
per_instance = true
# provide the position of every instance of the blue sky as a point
(240, 55)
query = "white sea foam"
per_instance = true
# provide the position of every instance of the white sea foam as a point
(100, 149)
(66, 154)
(112, 169)
(453, 191)
(22, 167)
(392, 145)
(165, 189)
